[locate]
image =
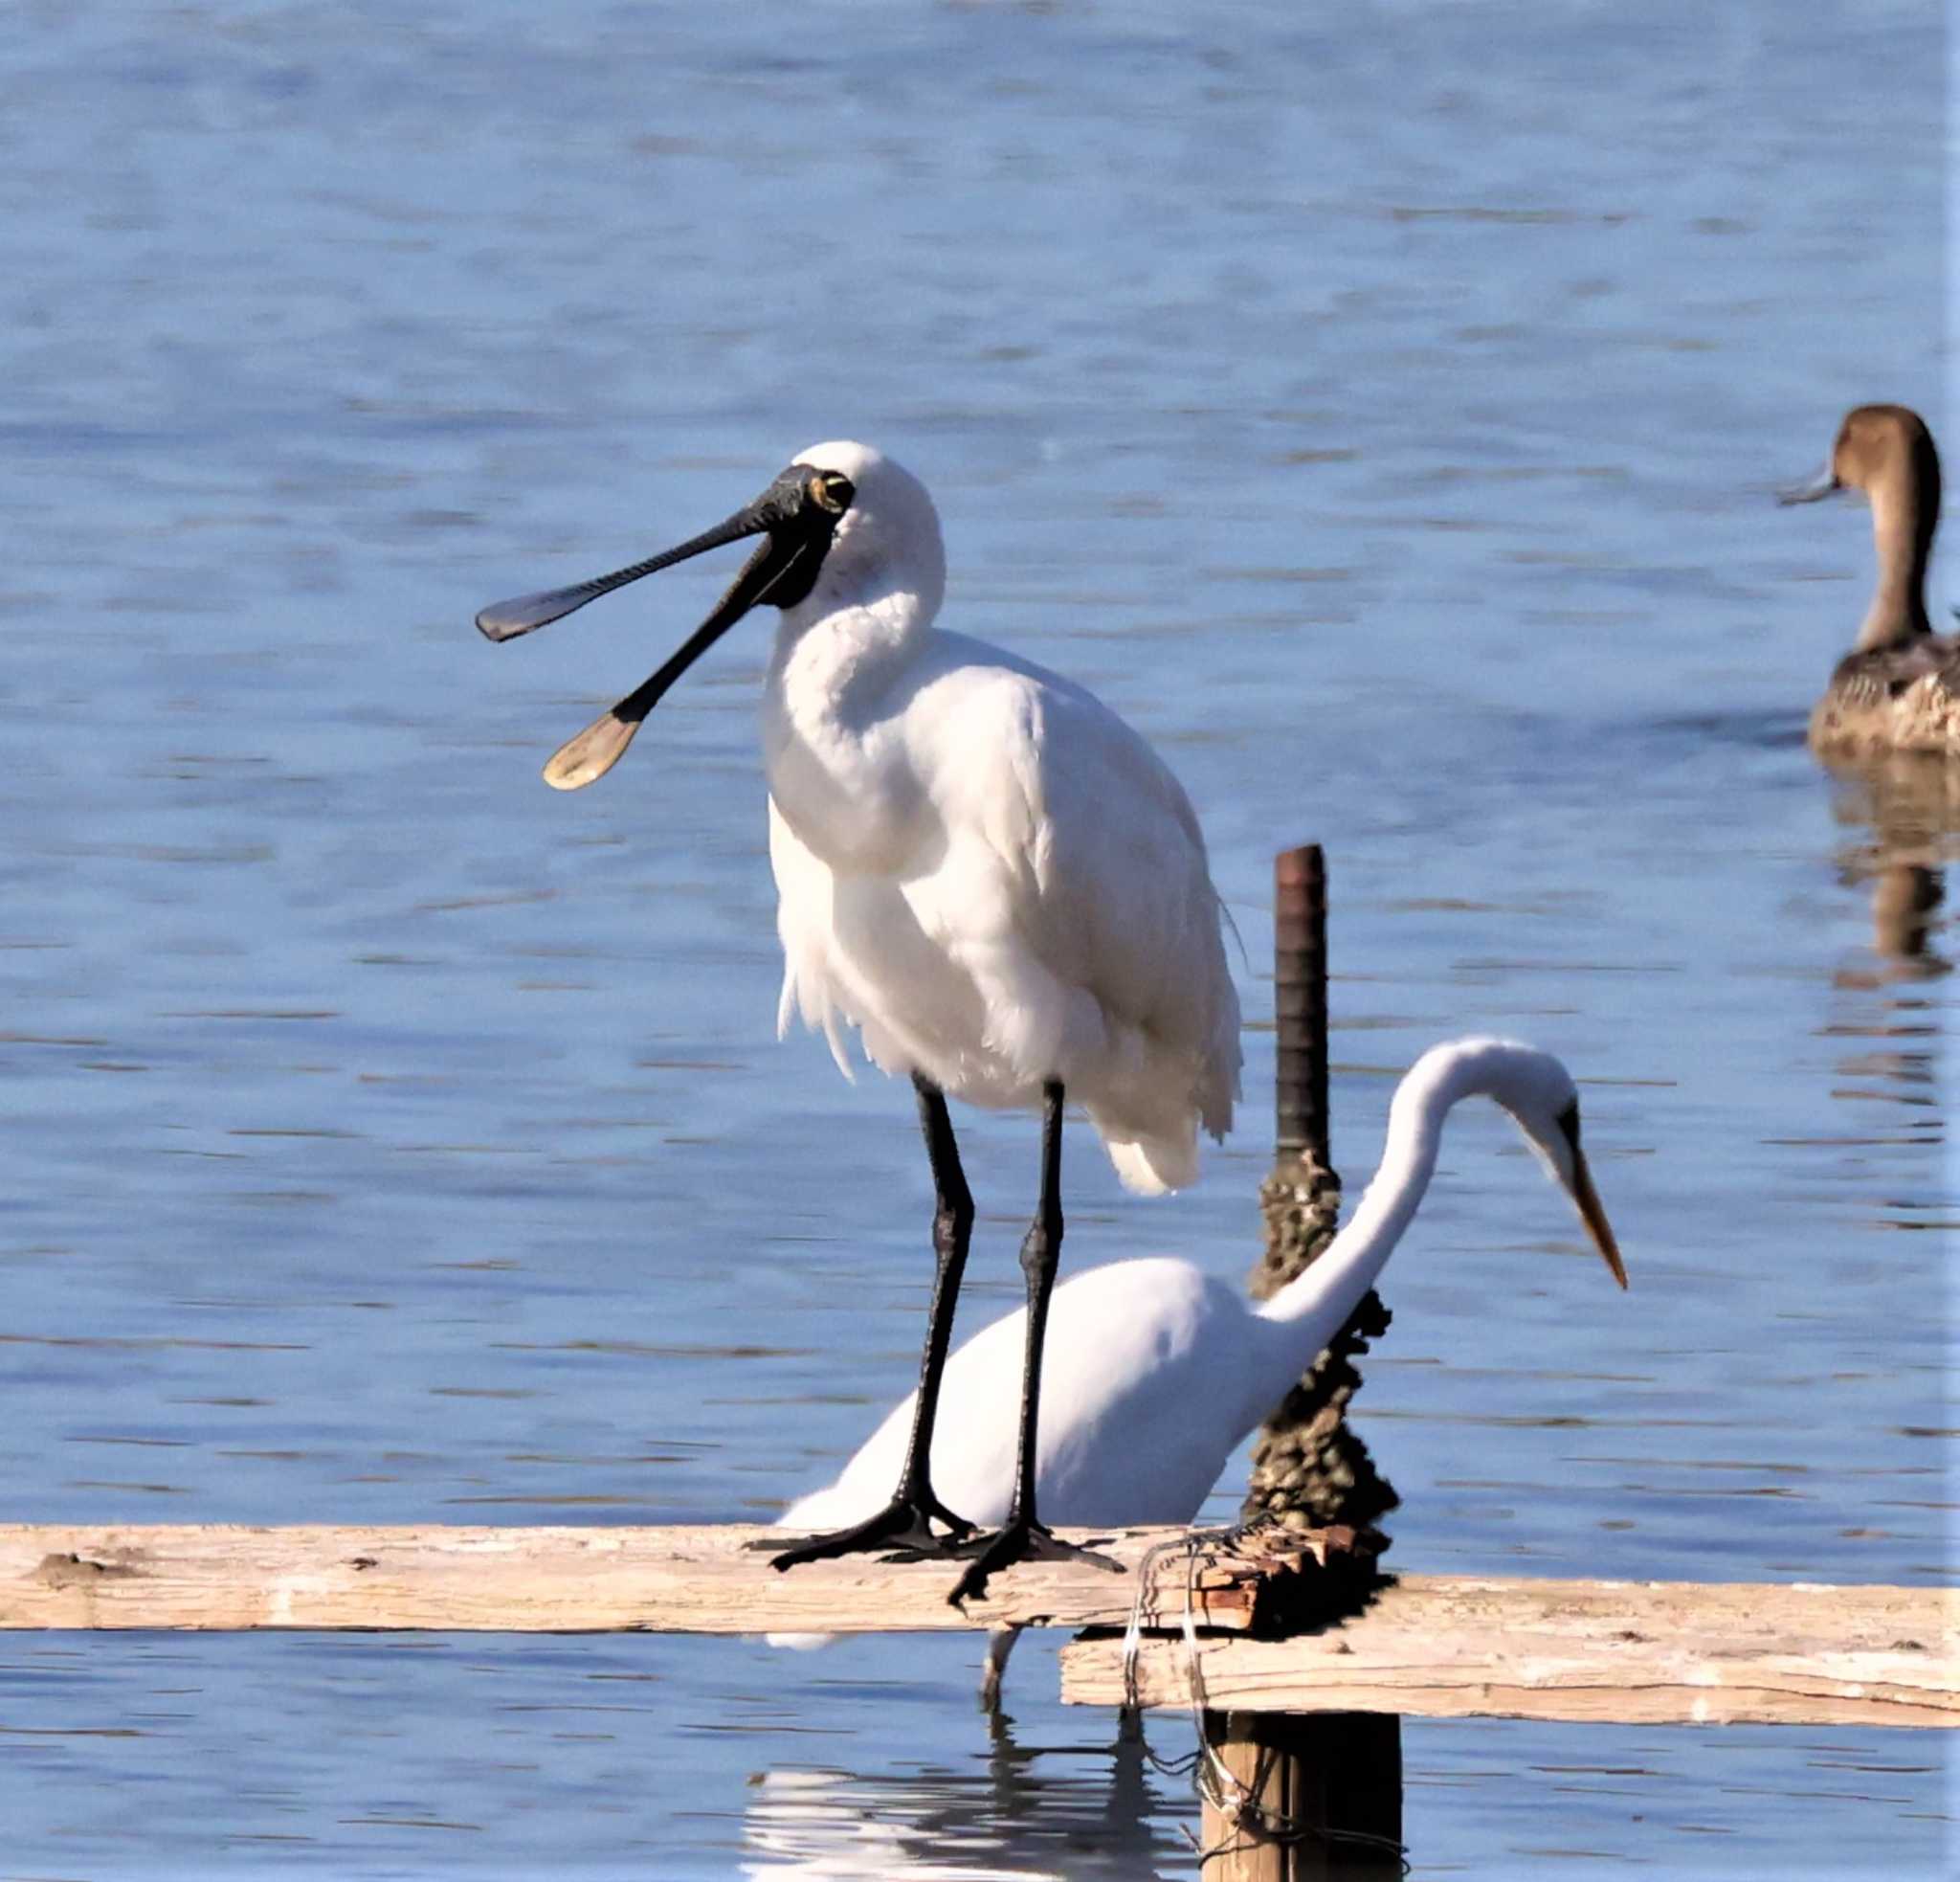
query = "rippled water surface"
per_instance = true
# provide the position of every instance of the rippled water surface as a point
(1379, 406)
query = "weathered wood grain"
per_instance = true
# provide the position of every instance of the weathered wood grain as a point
(558, 1579)
(1434, 1646)
(1634, 1652)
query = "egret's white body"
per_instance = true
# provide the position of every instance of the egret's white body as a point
(1154, 1371)
(979, 865)
(1152, 1374)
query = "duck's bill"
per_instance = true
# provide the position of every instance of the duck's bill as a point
(1593, 1213)
(1814, 490)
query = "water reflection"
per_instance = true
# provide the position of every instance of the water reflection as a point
(1059, 1810)
(1902, 817)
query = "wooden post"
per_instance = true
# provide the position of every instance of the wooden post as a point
(1234, 1838)
(1310, 1469)
(1302, 1780)
(1322, 1797)
(1300, 1004)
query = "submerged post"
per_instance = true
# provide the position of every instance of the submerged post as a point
(1321, 1776)
(1310, 1795)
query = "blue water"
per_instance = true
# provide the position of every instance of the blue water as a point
(1378, 409)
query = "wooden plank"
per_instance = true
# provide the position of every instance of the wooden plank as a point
(1634, 1652)
(596, 1581)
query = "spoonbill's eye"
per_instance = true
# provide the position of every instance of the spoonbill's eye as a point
(832, 490)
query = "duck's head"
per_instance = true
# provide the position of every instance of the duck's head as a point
(1884, 451)
(842, 525)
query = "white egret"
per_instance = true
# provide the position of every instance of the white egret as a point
(983, 869)
(1155, 1370)
(1899, 687)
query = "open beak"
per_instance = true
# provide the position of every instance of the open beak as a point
(1824, 484)
(797, 530)
(1593, 1213)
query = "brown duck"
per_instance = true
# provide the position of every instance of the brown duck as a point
(1899, 687)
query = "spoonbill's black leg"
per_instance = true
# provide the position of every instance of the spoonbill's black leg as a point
(905, 1523)
(1024, 1538)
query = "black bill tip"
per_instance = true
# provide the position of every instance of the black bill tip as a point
(506, 621)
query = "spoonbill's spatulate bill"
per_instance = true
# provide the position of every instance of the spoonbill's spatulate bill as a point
(979, 866)
(1898, 689)
(1155, 1370)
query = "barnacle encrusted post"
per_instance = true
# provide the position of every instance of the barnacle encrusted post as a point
(1309, 1469)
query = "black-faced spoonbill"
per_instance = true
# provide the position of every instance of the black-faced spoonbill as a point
(1899, 687)
(983, 869)
(1155, 1370)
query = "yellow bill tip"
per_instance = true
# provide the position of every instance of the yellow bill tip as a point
(1593, 1213)
(586, 758)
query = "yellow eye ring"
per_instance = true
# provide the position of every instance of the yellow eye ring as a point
(829, 491)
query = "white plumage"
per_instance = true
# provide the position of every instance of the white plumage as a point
(1154, 1372)
(1149, 1379)
(979, 864)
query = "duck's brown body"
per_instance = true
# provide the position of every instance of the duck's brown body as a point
(1899, 687)
(1893, 699)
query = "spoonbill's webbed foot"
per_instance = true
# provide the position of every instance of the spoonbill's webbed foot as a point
(904, 1525)
(1022, 1540)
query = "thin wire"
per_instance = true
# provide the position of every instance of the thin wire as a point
(1213, 1781)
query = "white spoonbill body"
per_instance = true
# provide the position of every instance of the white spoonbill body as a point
(980, 868)
(1155, 1370)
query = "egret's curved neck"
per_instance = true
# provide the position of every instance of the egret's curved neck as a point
(1906, 511)
(1308, 1312)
